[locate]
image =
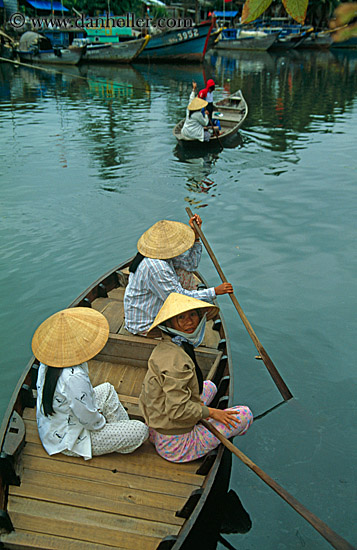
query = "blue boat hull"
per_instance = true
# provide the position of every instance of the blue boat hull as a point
(179, 45)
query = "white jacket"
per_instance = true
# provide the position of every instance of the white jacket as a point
(194, 125)
(75, 412)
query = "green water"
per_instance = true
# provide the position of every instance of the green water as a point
(88, 161)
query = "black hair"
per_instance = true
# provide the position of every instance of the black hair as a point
(189, 349)
(136, 262)
(52, 375)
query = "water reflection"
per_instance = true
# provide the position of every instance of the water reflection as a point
(223, 515)
(288, 90)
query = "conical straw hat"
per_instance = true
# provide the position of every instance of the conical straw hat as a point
(70, 337)
(166, 239)
(197, 104)
(179, 303)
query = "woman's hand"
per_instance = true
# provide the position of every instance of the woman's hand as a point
(228, 417)
(194, 85)
(224, 288)
(195, 218)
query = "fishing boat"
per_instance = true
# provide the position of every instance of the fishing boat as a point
(35, 47)
(238, 39)
(6, 46)
(110, 52)
(122, 501)
(290, 41)
(317, 41)
(181, 44)
(231, 112)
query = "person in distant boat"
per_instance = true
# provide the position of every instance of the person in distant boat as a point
(174, 396)
(74, 418)
(197, 120)
(168, 254)
(207, 94)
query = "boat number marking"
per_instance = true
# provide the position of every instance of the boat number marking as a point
(185, 35)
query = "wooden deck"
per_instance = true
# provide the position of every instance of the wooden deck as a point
(115, 501)
(112, 501)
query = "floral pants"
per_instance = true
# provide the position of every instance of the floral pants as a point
(199, 441)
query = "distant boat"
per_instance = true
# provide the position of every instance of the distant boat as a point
(317, 40)
(181, 44)
(6, 46)
(38, 48)
(290, 36)
(231, 112)
(118, 52)
(350, 43)
(238, 39)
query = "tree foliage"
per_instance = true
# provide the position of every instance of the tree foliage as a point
(344, 22)
(297, 9)
(253, 9)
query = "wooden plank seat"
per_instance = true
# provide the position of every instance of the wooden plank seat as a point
(120, 501)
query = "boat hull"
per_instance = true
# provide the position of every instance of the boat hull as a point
(350, 43)
(66, 57)
(247, 43)
(179, 45)
(122, 52)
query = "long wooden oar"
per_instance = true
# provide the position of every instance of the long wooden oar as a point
(279, 382)
(333, 538)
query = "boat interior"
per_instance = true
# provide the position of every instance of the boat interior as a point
(122, 501)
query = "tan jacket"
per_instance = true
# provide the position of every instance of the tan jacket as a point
(169, 399)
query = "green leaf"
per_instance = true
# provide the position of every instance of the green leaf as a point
(297, 9)
(252, 9)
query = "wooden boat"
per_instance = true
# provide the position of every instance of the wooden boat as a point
(180, 44)
(38, 48)
(119, 52)
(351, 43)
(6, 46)
(290, 41)
(112, 501)
(237, 39)
(232, 111)
(317, 41)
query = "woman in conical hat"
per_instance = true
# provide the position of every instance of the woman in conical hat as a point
(168, 252)
(73, 417)
(197, 119)
(174, 397)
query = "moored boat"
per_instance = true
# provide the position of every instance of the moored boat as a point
(110, 52)
(129, 501)
(316, 41)
(351, 43)
(237, 39)
(231, 112)
(7, 45)
(180, 44)
(35, 47)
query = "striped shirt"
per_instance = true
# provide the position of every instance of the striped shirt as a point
(152, 283)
